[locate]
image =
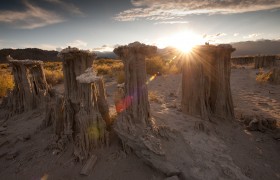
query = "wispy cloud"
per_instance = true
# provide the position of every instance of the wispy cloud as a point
(214, 38)
(167, 10)
(236, 34)
(40, 46)
(172, 22)
(32, 17)
(250, 36)
(78, 44)
(67, 6)
(104, 48)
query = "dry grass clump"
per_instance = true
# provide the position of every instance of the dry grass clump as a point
(107, 66)
(263, 76)
(173, 68)
(4, 67)
(155, 65)
(115, 68)
(120, 75)
(6, 80)
(53, 72)
(154, 96)
(53, 77)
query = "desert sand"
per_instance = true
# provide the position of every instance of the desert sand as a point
(202, 149)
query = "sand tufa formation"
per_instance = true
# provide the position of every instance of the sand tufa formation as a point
(265, 61)
(30, 88)
(82, 115)
(206, 89)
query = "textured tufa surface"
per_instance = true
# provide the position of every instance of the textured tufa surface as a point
(134, 124)
(265, 61)
(85, 109)
(30, 87)
(89, 76)
(206, 82)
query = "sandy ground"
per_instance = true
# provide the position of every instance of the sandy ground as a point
(223, 150)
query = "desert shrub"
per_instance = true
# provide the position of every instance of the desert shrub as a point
(103, 69)
(120, 75)
(263, 76)
(53, 77)
(155, 65)
(154, 96)
(173, 68)
(53, 66)
(6, 82)
(53, 72)
(4, 66)
(107, 66)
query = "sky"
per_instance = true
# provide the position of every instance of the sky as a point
(105, 24)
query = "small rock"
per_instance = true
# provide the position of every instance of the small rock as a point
(3, 142)
(199, 126)
(12, 154)
(3, 133)
(56, 152)
(24, 137)
(89, 165)
(3, 153)
(272, 123)
(277, 136)
(179, 109)
(172, 178)
(171, 106)
(2, 129)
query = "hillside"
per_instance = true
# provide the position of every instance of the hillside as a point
(261, 47)
(39, 54)
(29, 53)
(246, 48)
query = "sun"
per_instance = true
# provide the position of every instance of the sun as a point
(183, 41)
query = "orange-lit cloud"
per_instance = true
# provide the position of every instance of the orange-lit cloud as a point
(172, 10)
(32, 17)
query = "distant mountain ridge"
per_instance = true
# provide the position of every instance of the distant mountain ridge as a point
(28, 53)
(247, 48)
(39, 54)
(260, 47)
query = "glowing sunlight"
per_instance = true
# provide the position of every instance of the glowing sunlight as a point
(183, 41)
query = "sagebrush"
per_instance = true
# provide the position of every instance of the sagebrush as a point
(6, 80)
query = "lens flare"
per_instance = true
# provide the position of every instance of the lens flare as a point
(183, 41)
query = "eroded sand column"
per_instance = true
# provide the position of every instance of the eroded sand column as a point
(206, 89)
(85, 105)
(75, 62)
(136, 107)
(92, 132)
(30, 86)
(134, 124)
(265, 61)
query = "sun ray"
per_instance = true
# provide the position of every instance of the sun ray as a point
(183, 41)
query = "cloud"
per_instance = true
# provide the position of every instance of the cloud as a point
(214, 38)
(67, 6)
(172, 22)
(104, 48)
(236, 34)
(78, 44)
(250, 36)
(39, 46)
(209, 36)
(32, 17)
(167, 10)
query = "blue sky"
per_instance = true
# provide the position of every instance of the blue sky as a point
(101, 25)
